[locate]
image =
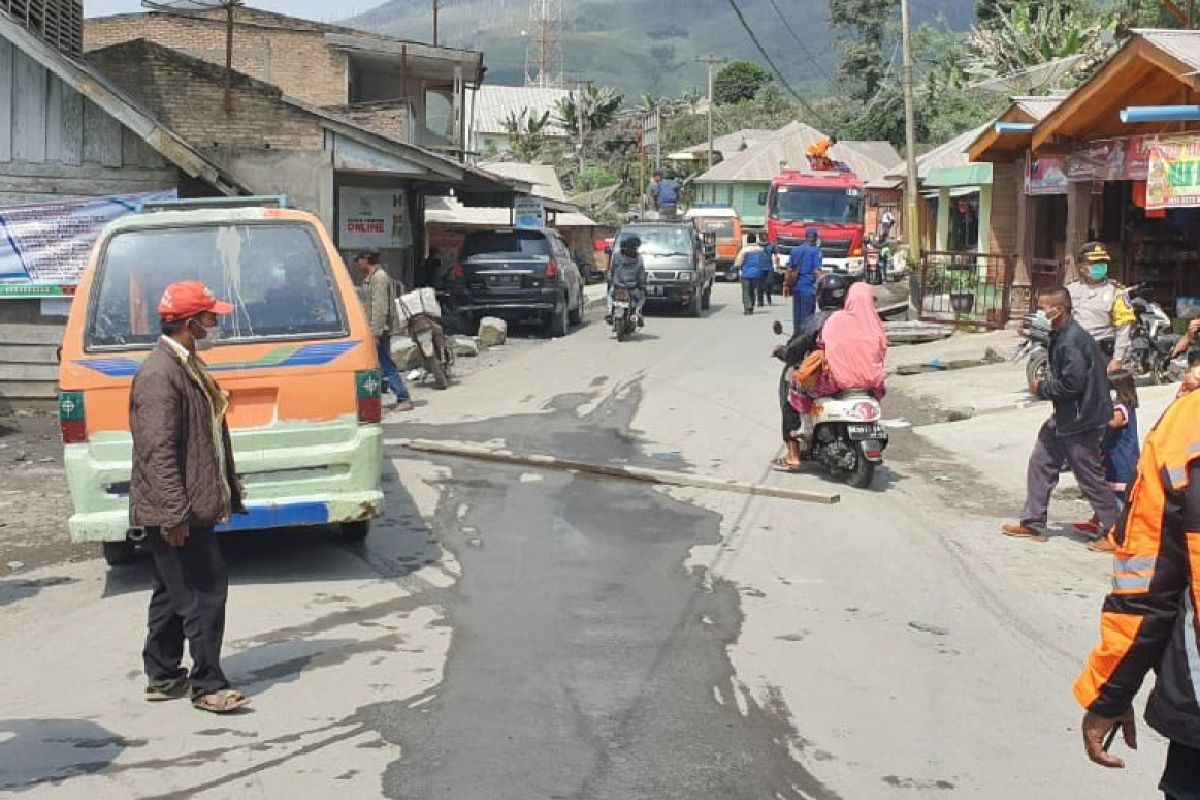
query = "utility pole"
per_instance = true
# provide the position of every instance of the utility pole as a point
(437, 5)
(912, 231)
(711, 61)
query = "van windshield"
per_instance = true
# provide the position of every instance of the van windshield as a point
(798, 203)
(666, 240)
(273, 274)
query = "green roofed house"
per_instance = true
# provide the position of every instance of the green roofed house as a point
(738, 180)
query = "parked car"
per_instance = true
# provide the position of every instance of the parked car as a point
(680, 263)
(518, 274)
(296, 358)
(724, 222)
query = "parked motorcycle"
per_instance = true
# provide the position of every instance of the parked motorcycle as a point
(624, 314)
(848, 437)
(875, 268)
(1153, 341)
(422, 314)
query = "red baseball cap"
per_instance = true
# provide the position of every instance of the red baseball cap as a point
(187, 299)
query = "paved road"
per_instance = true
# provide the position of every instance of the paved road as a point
(519, 633)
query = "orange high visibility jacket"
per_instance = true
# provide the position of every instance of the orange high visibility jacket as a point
(1149, 619)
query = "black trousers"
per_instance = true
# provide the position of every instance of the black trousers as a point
(190, 588)
(1181, 779)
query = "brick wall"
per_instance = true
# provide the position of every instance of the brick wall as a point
(390, 118)
(188, 96)
(295, 59)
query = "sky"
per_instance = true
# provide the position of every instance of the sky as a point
(321, 10)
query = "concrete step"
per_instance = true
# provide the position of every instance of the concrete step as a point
(32, 334)
(28, 353)
(14, 393)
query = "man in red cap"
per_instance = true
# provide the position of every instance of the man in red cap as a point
(182, 485)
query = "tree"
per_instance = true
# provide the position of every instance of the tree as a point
(738, 81)
(864, 33)
(526, 133)
(596, 108)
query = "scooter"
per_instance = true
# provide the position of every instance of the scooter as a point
(874, 271)
(436, 354)
(847, 435)
(624, 315)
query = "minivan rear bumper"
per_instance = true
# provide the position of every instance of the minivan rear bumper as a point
(295, 475)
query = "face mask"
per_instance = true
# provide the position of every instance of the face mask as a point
(211, 336)
(1098, 272)
(1043, 321)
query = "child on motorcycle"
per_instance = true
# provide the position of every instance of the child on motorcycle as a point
(627, 271)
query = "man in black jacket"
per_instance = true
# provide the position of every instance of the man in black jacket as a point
(1077, 385)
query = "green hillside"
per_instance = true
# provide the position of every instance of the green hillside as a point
(642, 46)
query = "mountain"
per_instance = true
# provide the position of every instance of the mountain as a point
(642, 46)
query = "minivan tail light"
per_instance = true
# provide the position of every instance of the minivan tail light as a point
(369, 393)
(71, 418)
(551, 269)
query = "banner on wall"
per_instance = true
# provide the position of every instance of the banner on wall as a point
(1173, 180)
(1045, 175)
(529, 212)
(1123, 159)
(44, 248)
(373, 218)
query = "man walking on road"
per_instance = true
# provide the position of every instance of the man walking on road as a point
(751, 263)
(379, 303)
(1077, 384)
(183, 483)
(804, 267)
(1149, 620)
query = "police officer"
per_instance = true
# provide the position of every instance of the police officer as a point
(1099, 303)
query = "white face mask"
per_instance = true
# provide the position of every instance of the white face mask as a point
(1043, 321)
(211, 336)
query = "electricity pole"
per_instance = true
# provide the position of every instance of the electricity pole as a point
(437, 4)
(711, 61)
(912, 225)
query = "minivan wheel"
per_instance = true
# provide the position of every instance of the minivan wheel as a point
(576, 315)
(557, 325)
(693, 307)
(118, 553)
(706, 299)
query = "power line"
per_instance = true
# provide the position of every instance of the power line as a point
(774, 67)
(803, 47)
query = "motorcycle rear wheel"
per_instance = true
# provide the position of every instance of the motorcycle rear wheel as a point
(1035, 367)
(863, 474)
(438, 370)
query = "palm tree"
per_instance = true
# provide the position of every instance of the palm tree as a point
(526, 133)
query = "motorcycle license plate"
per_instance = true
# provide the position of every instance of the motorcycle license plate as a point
(861, 432)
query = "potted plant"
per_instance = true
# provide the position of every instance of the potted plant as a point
(962, 279)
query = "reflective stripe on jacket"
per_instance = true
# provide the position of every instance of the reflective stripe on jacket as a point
(1149, 619)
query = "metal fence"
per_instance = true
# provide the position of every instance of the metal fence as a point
(963, 288)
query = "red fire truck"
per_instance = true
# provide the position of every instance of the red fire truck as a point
(830, 200)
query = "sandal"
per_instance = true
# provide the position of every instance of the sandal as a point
(175, 690)
(1101, 545)
(226, 701)
(782, 465)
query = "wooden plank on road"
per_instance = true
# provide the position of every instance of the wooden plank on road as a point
(621, 472)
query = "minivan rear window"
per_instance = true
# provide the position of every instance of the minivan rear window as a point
(274, 274)
(506, 243)
(721, 226)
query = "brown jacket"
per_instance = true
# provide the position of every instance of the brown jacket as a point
(176, 476)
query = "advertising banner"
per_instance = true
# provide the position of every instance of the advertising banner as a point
(44, 248)
(1174, 176)
(372, 218)
(1125, 159)
(529, 212)
(1045, 175)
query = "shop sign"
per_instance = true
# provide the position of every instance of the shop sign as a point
(1174, 176)
(44, 248)
(376, 218)
(1045, 175)
(529, 211)
(1124, 159)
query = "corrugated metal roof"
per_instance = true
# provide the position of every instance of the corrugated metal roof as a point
(952, 154)
(1183, 45)
(732, 143)
(448, 211)
(542, 176)
(1039, 107)
(494, 104)
(879, 152)
(762, 162)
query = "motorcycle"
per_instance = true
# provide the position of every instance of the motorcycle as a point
(624, 315)
(848, 437)
(1152, 341)
(875, 267)
(422, 312)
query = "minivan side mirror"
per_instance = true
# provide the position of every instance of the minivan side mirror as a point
(762, 198)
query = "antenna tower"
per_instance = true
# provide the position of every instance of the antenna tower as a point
(544, 49)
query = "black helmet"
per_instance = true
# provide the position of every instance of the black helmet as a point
(831, 291)
(630, 245)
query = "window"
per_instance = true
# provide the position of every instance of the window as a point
(661, 240)
(816, 205)
(274, 275)
(506, 243)
(721, 226)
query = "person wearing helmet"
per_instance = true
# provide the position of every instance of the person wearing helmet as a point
(628, 271)
(1099, 303)
(831, 296)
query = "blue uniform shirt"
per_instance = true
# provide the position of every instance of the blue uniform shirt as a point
(806, 260)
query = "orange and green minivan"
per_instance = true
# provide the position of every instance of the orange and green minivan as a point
(296, 358)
